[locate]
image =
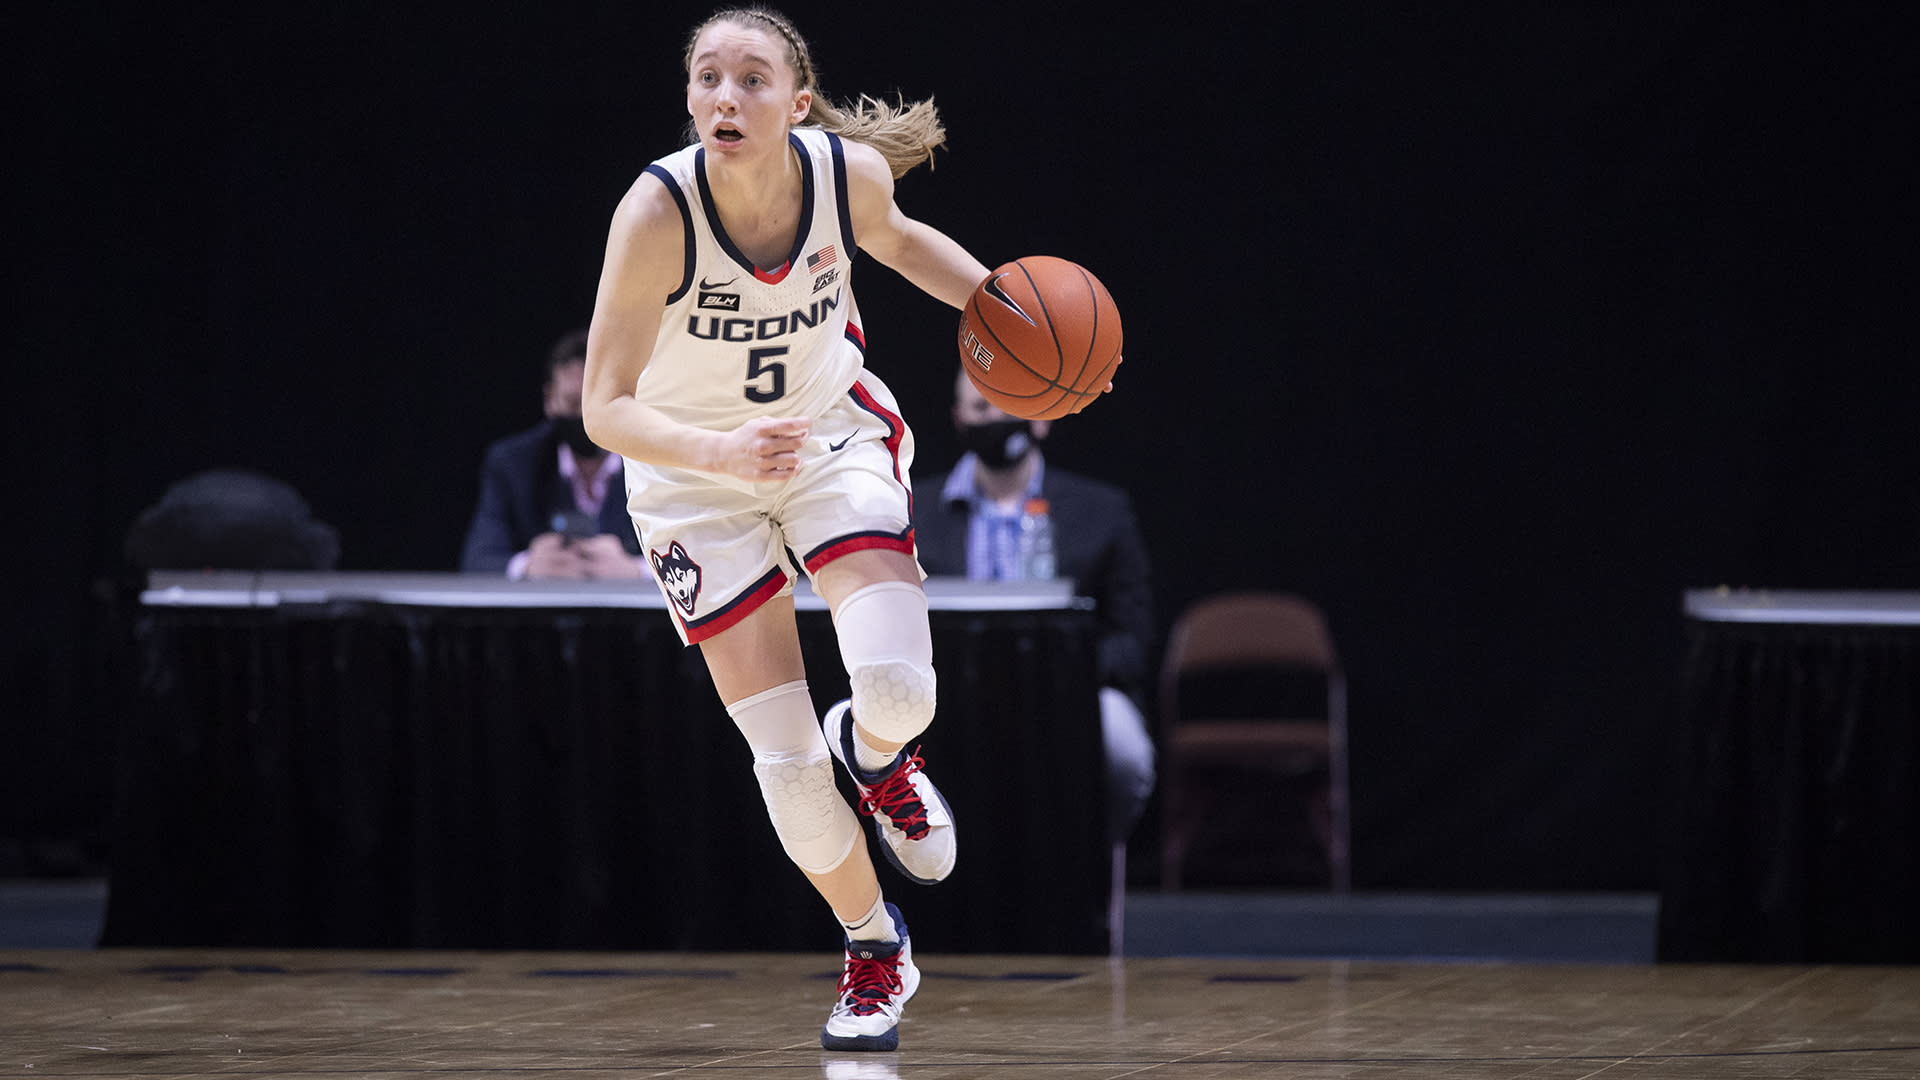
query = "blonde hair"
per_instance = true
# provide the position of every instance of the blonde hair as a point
(904, 134)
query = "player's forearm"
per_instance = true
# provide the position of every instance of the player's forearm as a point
(640, 432)
(936, 263)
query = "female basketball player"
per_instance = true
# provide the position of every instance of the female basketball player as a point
(725, 363)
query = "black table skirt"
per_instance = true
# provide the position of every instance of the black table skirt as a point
(1797, 832)
(369, 775)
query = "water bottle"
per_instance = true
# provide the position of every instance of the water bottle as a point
(1036, 541)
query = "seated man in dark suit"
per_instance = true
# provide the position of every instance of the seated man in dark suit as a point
(966, 523)
(552, 504)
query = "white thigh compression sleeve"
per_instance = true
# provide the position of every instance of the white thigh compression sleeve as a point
(815, 825)
(888, 650)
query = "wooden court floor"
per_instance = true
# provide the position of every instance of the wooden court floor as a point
(299, 1014)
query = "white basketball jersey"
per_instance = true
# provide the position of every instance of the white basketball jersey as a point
(738, 342)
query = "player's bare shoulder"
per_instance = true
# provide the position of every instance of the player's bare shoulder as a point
(648, 210)
(646, 242)
(869, 179)
(876, 220)
(865, 165)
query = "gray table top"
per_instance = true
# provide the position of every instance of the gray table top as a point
(1854, 608)
(239, 588)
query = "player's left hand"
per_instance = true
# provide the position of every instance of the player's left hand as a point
(1108, 389)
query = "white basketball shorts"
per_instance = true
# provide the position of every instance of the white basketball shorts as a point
(721, 548)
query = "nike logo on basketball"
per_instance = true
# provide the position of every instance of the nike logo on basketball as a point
(833, 447)
(993, 289)
(705, 284)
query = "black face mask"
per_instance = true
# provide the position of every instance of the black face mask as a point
(572, 430)
(1000, 443)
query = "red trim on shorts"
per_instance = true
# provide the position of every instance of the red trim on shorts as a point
(896, 428)
(847, 545)
(744, 605)
(856, 335)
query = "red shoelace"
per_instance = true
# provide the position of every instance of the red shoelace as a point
(870, 982)
(896, 798)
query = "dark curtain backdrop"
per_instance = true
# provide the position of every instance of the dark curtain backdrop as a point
(1797, 797)
(375, 776)
(1489, 328)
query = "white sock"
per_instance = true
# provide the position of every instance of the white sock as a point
(868, 758)
(875, 925)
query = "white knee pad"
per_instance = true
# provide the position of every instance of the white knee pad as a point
(893, 699)
(888, 650)
(815, 825)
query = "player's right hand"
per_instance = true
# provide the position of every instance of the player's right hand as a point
(764, 448)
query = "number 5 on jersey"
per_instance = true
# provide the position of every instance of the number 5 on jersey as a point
(760, 363)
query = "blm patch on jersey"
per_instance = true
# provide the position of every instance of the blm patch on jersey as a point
(723, 301)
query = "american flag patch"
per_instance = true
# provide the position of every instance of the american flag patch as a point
(823, 257)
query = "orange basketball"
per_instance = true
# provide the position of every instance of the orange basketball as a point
(1040, 337)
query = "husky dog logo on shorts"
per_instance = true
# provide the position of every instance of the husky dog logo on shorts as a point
(678, 573)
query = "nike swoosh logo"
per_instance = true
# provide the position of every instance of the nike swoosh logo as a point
(993, 287)
(831, 447)
(705, 284)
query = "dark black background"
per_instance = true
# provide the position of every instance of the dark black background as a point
(1490, 329)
